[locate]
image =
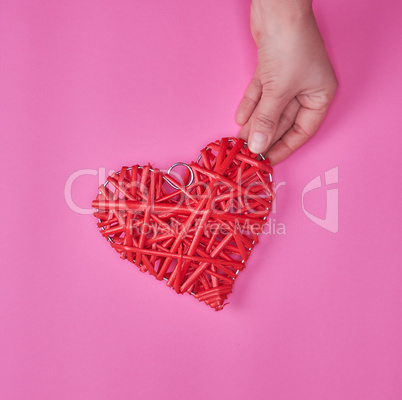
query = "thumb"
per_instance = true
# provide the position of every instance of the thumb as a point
(265, 123)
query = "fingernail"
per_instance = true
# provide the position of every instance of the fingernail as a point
(258, 142)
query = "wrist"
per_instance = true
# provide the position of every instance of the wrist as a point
(277, 17)
(285, 11)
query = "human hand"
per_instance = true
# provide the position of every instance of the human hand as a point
(294, 82)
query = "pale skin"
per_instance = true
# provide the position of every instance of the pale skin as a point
(294, 82)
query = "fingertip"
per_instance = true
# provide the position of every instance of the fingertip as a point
(240, 118)
(244, 112)
(258, 142)
(273, 159)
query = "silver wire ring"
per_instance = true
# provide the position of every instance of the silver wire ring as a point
(185, 165)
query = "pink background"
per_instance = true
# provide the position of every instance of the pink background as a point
(90, 84)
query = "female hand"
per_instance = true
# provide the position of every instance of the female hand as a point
(294, 82)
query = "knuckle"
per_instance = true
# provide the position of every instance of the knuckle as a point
(271, 90)
(255, 82)
(290, 149)
(268, 79)
(301, 131)
(336, 83)
(332, 89)
(248, 99)
(264, 121)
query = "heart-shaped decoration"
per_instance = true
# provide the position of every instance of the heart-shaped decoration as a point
(196, 232)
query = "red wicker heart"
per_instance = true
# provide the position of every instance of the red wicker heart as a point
(198, 232)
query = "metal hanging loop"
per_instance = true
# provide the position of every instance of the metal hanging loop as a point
(184, 165)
